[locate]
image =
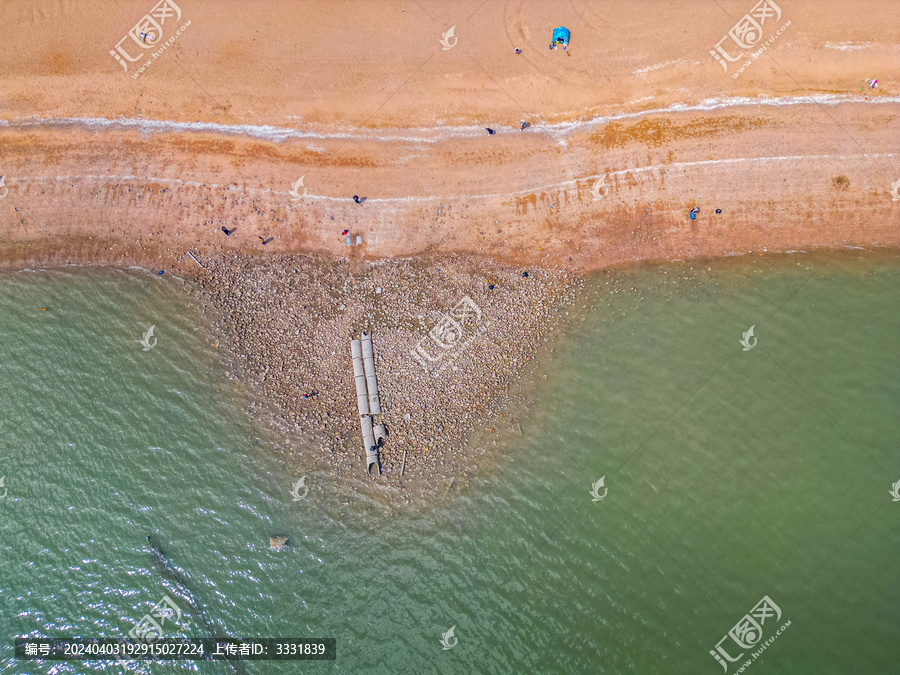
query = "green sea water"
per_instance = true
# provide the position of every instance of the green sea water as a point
(729, 475)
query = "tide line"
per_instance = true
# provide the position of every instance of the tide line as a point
(663, 168)
(435, 134)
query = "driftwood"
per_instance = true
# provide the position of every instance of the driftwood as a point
(194, 258)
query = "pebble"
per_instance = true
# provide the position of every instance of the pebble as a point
(288, 320)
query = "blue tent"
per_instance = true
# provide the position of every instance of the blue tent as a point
(560, 37)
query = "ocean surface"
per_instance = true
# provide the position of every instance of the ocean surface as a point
(744, 491)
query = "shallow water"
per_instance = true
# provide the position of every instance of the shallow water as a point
(729, 475)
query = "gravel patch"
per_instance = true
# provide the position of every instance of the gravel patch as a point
(449, 351)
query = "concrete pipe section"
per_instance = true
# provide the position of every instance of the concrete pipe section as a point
(371, 382)
(367, 399)
(380, 434)
(372, 460)
(359, 376)
(370, 446)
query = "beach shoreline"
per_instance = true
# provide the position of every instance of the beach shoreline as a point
(566, 231)
(375, 159)
(675, 185)
(281, 326)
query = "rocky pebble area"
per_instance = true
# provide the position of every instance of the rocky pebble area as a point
(453, 338)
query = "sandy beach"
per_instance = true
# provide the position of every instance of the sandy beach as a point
(266, 120)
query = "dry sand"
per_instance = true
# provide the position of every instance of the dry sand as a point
(378, 108)
(631, 127)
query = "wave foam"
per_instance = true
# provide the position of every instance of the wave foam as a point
(433, 134)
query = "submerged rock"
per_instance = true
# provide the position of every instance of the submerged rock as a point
(277, 542)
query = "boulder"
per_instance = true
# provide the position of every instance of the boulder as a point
(277, 542)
